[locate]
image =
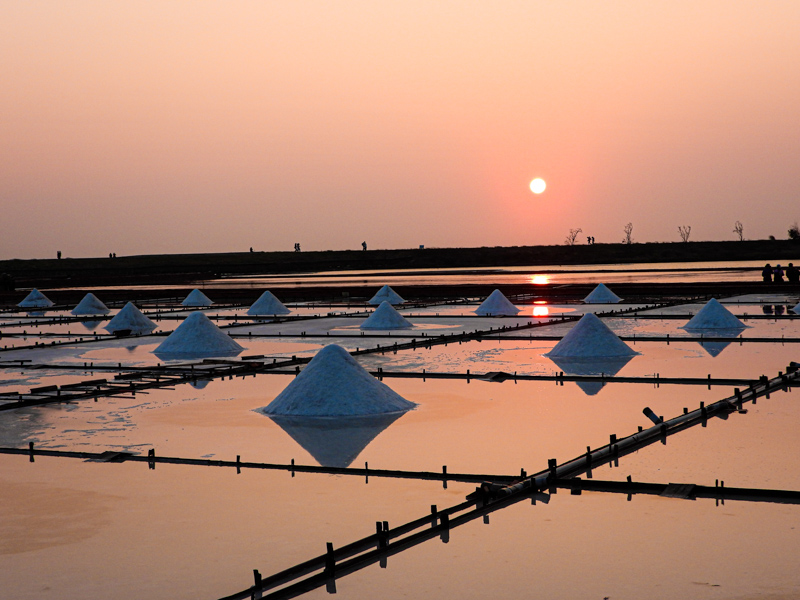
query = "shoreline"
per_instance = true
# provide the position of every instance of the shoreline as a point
(185, 268)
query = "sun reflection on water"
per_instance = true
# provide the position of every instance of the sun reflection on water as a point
(540, 279)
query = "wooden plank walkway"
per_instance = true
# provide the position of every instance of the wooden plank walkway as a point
(366, 472)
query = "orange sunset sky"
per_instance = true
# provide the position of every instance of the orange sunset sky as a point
(167, 127)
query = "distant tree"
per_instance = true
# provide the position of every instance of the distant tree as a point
(794, 232)
(628, 229)
(572, 236)
(738, 229)
(684, 230)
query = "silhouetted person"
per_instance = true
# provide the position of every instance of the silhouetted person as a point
(792, 274)
(778, 274)
(364, 246)
(58, 255)
(251, 248)
(767, 309)
(766, 273)
(110, 255)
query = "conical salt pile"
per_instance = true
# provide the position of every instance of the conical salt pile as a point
(590, 338)
(35, 299)
(386, 317)
(714, 316)
(386, 294)
(496, 305)
(602, 295)
(196, 298)
(198, 336)
(796, 309)
(130, 318)
(90, 305)
(268, 304)
(335, 385)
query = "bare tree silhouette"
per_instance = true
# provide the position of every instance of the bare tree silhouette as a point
(628, 229)
(738, 229)
(572, 236)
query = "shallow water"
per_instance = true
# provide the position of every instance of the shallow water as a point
(190, 531)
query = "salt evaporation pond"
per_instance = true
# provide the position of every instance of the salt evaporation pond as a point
(198, 532)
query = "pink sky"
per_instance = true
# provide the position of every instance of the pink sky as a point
(168, 127)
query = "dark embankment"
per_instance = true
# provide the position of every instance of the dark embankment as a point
(185, 268)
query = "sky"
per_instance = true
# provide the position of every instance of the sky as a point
(142, 127)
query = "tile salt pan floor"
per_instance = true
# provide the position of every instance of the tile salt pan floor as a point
(197, 336)
(496, 305)
(90, 305)
(386, 317)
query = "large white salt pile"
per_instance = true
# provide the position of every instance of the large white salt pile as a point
(268, 304)
(35, 299)
(602, 295)
(714, 316)
(386, 294)
(590, 338)
(335, 385)
(90, 305)
(130, 318)
(198, 336)
(196, 298)
(497, 305)
(386, 317)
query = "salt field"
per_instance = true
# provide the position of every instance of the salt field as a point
(214, 446)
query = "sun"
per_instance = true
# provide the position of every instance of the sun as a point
(538, 185)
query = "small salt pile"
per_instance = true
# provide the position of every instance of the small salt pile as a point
(35, 299)
(268, 304)
(333, 384)
(602, 295)
(714, 316)
(386, 317)
(90, 305)
(198, 336)
(196, 298)
(130, 318)
(590, 338)
(796, 309)
(386, 294)
(496, 305)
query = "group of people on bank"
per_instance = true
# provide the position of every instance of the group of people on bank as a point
(776, 274)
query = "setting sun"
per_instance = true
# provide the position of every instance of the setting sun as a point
(538, 186)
